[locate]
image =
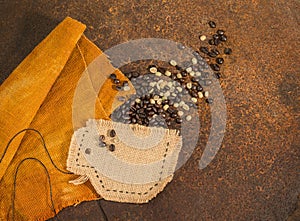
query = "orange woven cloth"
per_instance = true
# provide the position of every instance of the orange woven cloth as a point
(39, 94)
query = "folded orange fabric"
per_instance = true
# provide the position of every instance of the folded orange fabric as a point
(39, 94)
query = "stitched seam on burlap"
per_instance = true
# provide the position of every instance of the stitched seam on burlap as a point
(122, 191)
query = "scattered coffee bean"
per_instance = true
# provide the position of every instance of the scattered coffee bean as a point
(217, 75)
(215, 51)
(212, 54)
(87, 151)
(220, 32)
(228, 51)
(216, 36)
(223, 38)
(215, 67)
(112, 133)
(204, 50)
(112, 76)
(209, 100)
(112, 147)
(116, 81)
(220, 60)
(101, 138)
(102, 144)
(211, 41)
(178, 120)
(212, 24)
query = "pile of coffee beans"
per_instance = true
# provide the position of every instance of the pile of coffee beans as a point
(168, 94)
(158, 102)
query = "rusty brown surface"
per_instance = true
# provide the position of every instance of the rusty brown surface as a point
(255, 175)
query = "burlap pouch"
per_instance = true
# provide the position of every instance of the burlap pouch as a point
(139, 167)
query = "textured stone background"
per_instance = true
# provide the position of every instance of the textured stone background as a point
(255, 175)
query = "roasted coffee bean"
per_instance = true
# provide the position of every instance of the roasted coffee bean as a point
(112, 147)
(212, 24)
(128, 75)
(212, 54)
(116, 81)
(215, 67)
(163, 115)
(217, 41)
(142, 115)
(204, 50)
(159, 111)
(112, 133)
(220, 60)
(125, 83)
(101, 138)
(184, 73)
(193, 79)
(211, 41)
(223, 38)
(118, 87)
(215, 51)
(133, 120)
(194, 87)
(112, 76)
(140, 111)
(102, 144)
(151, 113)
(174, 115)
(178, 120)
(216, 36)
(220, 32)
(194, 94)
(227, 51)
(209, 100)
(217, 75)
(165, 102)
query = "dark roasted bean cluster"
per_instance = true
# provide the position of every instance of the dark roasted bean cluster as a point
(118, 85)
(102, 143)
(214, 55)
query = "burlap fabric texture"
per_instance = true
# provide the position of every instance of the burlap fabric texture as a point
(39, 94)
(141, 165)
